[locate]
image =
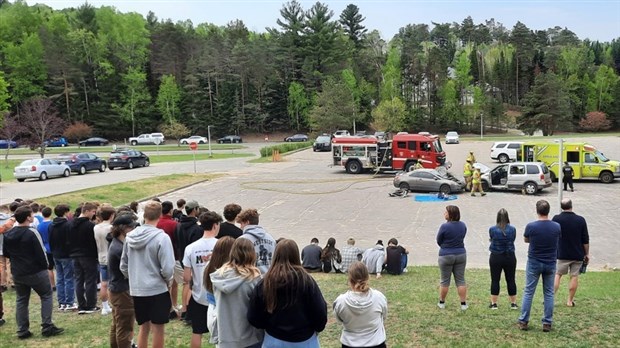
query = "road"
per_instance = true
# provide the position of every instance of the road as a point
(303, 197)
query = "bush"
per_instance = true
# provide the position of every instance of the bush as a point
(175, 130)
(595, 121)
(77, 132)
(283, 148)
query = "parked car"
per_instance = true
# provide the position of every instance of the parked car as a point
(148, 139)
(341, 133)
(296, 137)
(56, 142)
(322, 143)
(506, 151)
(232, 139)
(5, 144)
(429, 180)
(95, 141)
(194, 139)
(128, 158)
(41, 169)
(381, 136)
(83, 162)
(529, 177)
(452, 138)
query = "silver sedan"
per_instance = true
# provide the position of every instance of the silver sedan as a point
(429, 180)
(41, 169)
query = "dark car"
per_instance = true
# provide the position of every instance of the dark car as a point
(322, 143)
(96, 141)
(297, 137)
(56, 142)
(232, 139)
(5, 144)
(83, 162)
(128, 158)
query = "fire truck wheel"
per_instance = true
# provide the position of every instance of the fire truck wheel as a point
(354, 167)
(410, 166)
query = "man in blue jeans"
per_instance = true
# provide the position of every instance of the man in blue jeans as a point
(542, 235)
(59, 245)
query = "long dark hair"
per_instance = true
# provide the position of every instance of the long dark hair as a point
(502, 220)
(219, 256)
(329, 250)
(286, 279)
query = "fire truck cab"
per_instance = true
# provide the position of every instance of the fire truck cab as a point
(402, 152)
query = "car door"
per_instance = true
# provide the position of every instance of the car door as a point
(142, 157)
(516, 176)
(53, 167)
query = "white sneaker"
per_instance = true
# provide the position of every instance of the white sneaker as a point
(405, 270)
(73, 307)
(106, 311)
(441, 305)
(464, 307)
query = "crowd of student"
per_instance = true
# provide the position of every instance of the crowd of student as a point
(238, 283)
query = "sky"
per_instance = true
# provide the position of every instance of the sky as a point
(593, 19)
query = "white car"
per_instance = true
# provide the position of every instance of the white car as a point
(505, 151)
(452, 138)
(194, 139)
(41, 169)
(341, 133)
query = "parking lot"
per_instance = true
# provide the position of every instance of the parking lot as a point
(303, 197)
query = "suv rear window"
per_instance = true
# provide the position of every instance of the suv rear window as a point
(500, 146)
(118, 154)
(532, 169)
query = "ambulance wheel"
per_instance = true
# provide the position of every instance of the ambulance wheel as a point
(553, 177)
(606, 177)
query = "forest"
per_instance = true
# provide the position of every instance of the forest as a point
(115, 75)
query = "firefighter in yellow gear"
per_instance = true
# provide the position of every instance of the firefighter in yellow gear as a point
(418, 165)
(467, 171)
(471, 157)
(476, 184)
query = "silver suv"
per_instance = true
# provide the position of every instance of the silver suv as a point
(506, 151)
(529, 177)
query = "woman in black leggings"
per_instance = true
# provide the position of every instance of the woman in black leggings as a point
(502, 237)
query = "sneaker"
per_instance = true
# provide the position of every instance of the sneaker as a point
(441, 305)
(89, 310)
(523, 326)
(73, 307)
(514, 306)
(483, 194)
(464, 306)
(133, 345)
(52, 331)
(405, 270)
(2, 321)
(106, 311)
(473, 195)
(62, 307)
(173, 315)
(546, 327)
(493, 306)
(24, 335)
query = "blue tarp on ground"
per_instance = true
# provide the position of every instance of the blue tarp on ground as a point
(433, 197)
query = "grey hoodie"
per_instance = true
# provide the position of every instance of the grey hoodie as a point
(362, 315)
(374, 258)
(264, 245)
(147, 261)
(232, 296)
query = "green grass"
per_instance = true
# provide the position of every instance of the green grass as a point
(6, 167)
(123, 193)
(413, 317)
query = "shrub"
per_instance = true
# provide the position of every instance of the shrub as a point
(283, 148)
(78, 131)
(595, 121)
(175, 130)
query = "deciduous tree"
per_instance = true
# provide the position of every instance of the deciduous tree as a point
(40, 119)
(168, 99)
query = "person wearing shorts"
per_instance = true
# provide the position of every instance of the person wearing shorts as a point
(197, 256)
(573, 248)
(148, 262)
(102, 230)
(452, 255)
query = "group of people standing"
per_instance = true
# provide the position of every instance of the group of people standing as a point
(557, 247)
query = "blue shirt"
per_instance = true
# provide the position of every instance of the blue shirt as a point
(502, 242)
(43, 229)
(574, 236)
(450, 238)
(543, 236)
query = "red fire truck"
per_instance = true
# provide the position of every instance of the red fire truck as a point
(402, 152)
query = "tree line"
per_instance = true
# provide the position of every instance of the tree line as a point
(122, 74)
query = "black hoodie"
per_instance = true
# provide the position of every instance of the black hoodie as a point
(187, 232)
(24, 247)
(82, 238)
(59, 232)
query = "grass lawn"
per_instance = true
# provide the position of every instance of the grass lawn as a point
(6, 167)
(413, 318)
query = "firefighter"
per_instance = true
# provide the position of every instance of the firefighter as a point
(467, 171)
(471, 157)
(418, 165)
(477, 183)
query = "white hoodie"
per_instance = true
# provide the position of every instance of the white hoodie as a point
(147, 261)
(362, 316)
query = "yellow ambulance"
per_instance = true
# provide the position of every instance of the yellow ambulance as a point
(587, 162)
